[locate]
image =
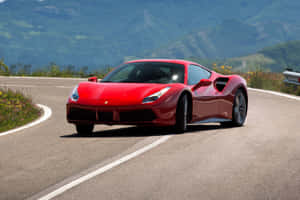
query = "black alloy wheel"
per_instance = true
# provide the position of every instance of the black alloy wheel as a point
(182, 115)
(239, 110)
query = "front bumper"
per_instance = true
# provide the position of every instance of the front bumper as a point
(122, 115)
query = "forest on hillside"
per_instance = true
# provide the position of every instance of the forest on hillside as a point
(98, 33)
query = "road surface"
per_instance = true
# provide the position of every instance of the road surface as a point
(258, 161)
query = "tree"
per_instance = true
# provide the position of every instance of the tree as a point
(70, 70)
(4, 70)
(83, 71)
(27, 69)
(13, 69)
(54, 70)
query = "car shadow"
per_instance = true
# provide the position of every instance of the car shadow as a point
(142, 132)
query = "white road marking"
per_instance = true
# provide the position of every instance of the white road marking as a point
(61, 86)
(276, 93)
(47, 112)
(42, 77)
(33, 86)
(14, 85)
(105, 168)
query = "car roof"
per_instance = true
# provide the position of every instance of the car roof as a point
(176, 61)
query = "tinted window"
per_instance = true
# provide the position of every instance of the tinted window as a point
(147, 72)
(197, 73)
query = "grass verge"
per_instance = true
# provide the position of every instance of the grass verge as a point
(16, 109)
(262, 80)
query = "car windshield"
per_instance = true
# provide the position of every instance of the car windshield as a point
(147, 72)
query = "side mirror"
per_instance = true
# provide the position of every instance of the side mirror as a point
(93, 79)
(202, 83)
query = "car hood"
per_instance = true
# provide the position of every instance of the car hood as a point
(112, 94)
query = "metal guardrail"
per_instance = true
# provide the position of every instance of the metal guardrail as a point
(292, 77)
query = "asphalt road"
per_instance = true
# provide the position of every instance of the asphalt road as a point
(258, 161)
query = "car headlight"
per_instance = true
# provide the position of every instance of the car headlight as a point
(75, 96)
(155, 96)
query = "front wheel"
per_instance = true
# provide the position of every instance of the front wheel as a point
(84, 129)
(182, 115)
(239, 110)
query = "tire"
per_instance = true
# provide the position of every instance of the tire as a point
(239, 110)
(84, 129)
(182, 115)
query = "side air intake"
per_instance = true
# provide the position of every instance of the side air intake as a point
(221, 83)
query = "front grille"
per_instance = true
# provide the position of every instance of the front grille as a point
(82, 114)
(105, 116)
(137, 116)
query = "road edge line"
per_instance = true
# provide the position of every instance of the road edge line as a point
(103, 169)
(43, 77)
(47, 112)
(276, 93)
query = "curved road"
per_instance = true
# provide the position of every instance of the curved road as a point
(258, 161)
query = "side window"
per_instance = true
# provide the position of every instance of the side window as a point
(196, 73)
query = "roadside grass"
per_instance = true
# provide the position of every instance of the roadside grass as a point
(52, 70)
(16, 109)
(262, 80)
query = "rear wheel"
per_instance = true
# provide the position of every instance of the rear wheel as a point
(239, 110)
(84, 129)
(182, 115)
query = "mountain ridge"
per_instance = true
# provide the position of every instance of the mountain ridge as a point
(96, 33)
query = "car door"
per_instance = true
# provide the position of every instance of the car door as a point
(204, 105)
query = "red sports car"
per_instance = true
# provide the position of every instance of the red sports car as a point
(158, 92)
